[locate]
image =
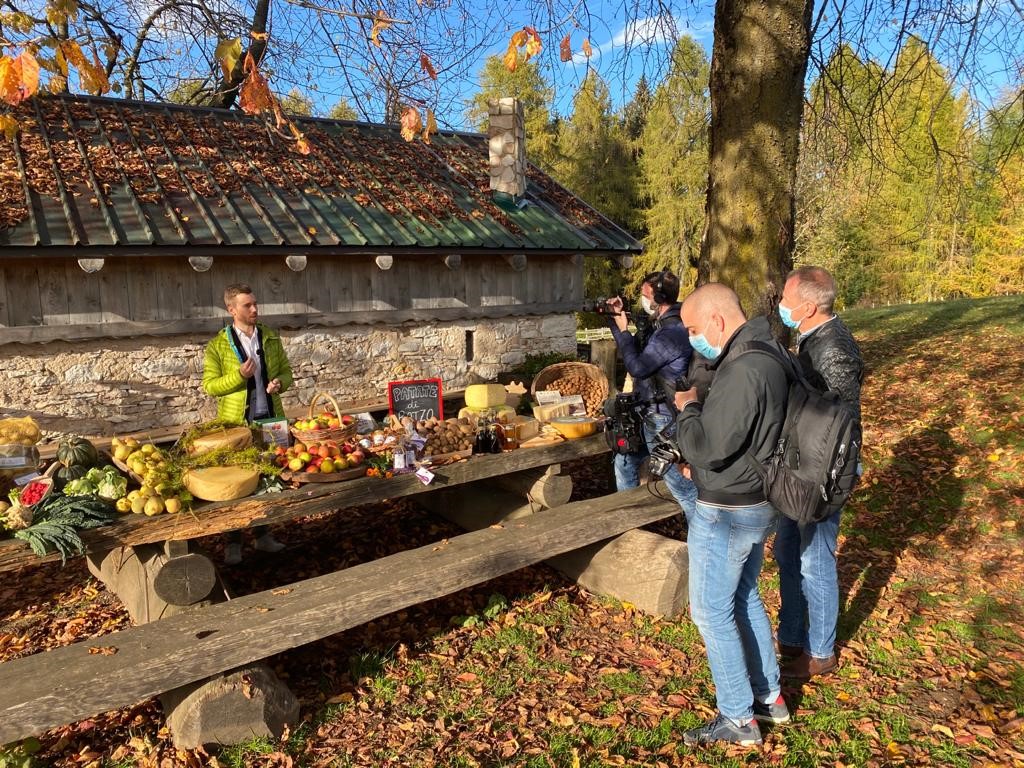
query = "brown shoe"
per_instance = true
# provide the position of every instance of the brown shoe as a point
(805, 666)
(788, 651)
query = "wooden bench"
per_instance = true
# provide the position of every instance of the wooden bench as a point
(67, 684)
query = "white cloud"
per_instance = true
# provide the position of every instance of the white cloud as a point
(649, 32)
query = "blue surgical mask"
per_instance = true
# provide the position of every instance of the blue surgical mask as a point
(703, 346)
(787, 317)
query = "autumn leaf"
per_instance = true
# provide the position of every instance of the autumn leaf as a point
(103, 650)
(380, 23)
(19, 78)
(511, 59)
(261, 36)
(518, 38)
(533, 43)
(427, 66)
(228, 52)
(412, 123)
(254, 96)
(431, 126)
(9, 127)
(587, 50)
(565, 49)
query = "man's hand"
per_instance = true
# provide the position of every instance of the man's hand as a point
(247, 369)
(682, 398)
(274, 386)
(615, 308)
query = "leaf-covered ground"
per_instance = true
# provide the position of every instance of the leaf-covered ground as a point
(528, 670)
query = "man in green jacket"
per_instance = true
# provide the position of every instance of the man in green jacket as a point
(246, 369)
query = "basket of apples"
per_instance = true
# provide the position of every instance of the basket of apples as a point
(324, 462)
(327, 425)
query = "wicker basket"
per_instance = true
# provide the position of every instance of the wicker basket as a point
(343, 432)
(557, 371)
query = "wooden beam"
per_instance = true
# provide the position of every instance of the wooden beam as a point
(218, 517)
(67, 684)
(210, 325)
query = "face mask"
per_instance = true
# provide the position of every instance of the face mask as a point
(703, 346)
(649, 306)
(787, 317)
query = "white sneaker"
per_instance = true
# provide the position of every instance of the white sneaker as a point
(267, 543)
(233, 553)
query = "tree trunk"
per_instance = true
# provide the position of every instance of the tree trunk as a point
(758, 67)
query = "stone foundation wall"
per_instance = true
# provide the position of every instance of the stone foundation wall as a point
(115, 386)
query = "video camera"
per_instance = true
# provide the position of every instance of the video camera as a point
(600, 306)
(624, 429)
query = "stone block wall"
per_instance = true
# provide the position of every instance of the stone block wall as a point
(116, 386)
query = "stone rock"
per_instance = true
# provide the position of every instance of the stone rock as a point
(237, 706)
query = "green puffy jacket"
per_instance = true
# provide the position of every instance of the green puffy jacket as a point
(222, 379)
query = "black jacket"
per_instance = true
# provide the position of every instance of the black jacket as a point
(744, 410)
(831, 360)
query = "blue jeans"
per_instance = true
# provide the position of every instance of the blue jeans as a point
(808, 584)
(627, 466)
(726, 548)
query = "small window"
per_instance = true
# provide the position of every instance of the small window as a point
(469, 346)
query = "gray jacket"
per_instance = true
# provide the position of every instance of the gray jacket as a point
(831, 360)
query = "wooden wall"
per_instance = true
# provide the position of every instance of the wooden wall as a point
(53, 299)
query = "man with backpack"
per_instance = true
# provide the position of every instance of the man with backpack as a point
(806, 553)
(743, 412)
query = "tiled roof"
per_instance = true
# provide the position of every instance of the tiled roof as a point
(137, 177)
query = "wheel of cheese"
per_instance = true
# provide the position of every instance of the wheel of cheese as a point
(235, 438)
(221, 483)
(484, 395)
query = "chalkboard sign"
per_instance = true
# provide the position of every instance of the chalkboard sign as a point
(417, 399)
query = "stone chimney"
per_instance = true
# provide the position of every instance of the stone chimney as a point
(507, 143)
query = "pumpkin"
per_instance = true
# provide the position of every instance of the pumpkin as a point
(77, 452)
(64, 475)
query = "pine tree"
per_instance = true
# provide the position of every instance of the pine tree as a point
(674, 167)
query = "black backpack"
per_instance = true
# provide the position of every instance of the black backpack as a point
(813, 469)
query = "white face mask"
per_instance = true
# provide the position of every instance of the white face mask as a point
(649, 306)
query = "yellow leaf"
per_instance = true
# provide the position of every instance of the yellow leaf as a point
(511, 60)
(19, 77)
(380, 23)
(587, 50)
(843, 696)
(431, 126)
(259, 36)
(228, 52)
(575, 758)
(341, 698)
(9, 127)
(73, 54)
(993, 457)
(518, 38)
(945, 731)
(412, 123)
(533, 43)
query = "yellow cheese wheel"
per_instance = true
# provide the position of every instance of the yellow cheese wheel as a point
(485, 395)
(221, 483)
(235, 438)
(500, 412)
(574, 426)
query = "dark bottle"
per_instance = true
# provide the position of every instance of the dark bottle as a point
(482, 444)
(497, 435)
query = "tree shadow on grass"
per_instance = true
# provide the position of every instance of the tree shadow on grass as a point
(906, 505)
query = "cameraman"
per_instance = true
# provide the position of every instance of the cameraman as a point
(656, 360)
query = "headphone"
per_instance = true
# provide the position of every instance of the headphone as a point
(658, 287)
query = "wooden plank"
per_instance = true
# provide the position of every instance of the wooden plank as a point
(143, 289)
(114, 302)
(53, 293)
(84, 303)
(23, 293)
(199, 298)
(67, 684)
(322, 277)
(218, 517)
(4, 301)
(385, 287)
(169, 280)
(192, 325)
(362, 270)
(472, 269)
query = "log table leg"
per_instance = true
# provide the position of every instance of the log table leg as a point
(639, 567)
(159, 580)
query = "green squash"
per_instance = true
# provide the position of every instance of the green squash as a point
(77, 452)
(64, 475)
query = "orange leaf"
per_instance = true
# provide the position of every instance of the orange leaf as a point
(511, 60)
(587, 50)
(254, 96)
(565, 49)
(103, 650)
(259, 35)
(427, 66)
(533, 43)
(431, 126)
(518, 38)
(9, 127)
(412, 123)
(466, 677)
(8, 79)
(19, 78)
(379, 25)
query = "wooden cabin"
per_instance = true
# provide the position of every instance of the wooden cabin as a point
(121, 222)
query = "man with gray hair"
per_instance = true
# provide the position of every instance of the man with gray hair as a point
(808, 580)
(744, 412)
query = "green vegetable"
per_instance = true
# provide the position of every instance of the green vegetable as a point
(83, 486)
(112, 487)
(58, 519)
